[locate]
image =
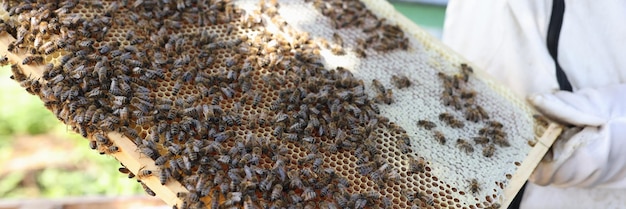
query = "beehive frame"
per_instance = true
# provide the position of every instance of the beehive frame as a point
(438, 59)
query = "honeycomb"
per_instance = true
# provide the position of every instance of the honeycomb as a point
(275, 104)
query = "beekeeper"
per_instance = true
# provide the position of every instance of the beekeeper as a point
(569, 59)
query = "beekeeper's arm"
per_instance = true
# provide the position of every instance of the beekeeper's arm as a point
(508, 40)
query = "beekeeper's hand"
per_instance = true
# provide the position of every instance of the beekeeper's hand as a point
(596, 155)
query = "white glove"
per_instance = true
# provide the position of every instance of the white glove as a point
(595, 156)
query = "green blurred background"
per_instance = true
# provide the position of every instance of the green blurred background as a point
(41, 158)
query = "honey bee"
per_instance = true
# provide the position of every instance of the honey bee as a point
(308, 194)
(93, 145)
(125, 170)
(440, 137)
(295, 198)
(472, 114)
(101, 139)
(360, 202)
(489, 150)
(451, 100)
(404, 147)
(445, 117)
(372, 195)
(186, 164)
(541, 120)
(106, 48)
(143, 173)
(494, 124)
(174, 149)
(277, 192)
(360, 53)
(145, 120)
(374, 27)
(4, 60)
(86, 43)
(33, 59)
(485, 131)
(466, 71)
(386, 97)
(457, 81)
(448, 118)
(378, 86)
(177, 86)
(130, 133)
(501, 141)
(337, 39)
(162, 159)
(497, 132)
(447, 80)
(422, 196)
(12, 47)
(464, 146)
(266, 184)
(222, 136)
(17, 73)
(341, 199)
(400, 81)
(224, 159)
(417, 166)
(328, 204)
(468, 94)
(474, 186)
(455, 123)
(481, 140)
(112, 149)
(150, 152)
(482, 112)
(148, 190)
(294, 179)
(410, 195)
(428, 125)
(278, 130)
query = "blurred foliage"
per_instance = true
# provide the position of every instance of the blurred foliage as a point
(85, 173)
(20, 112)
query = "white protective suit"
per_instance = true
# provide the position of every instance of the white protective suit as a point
(508, 39)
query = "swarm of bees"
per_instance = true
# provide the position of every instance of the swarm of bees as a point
(458, 96)
(380, 35)
(239, 115)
